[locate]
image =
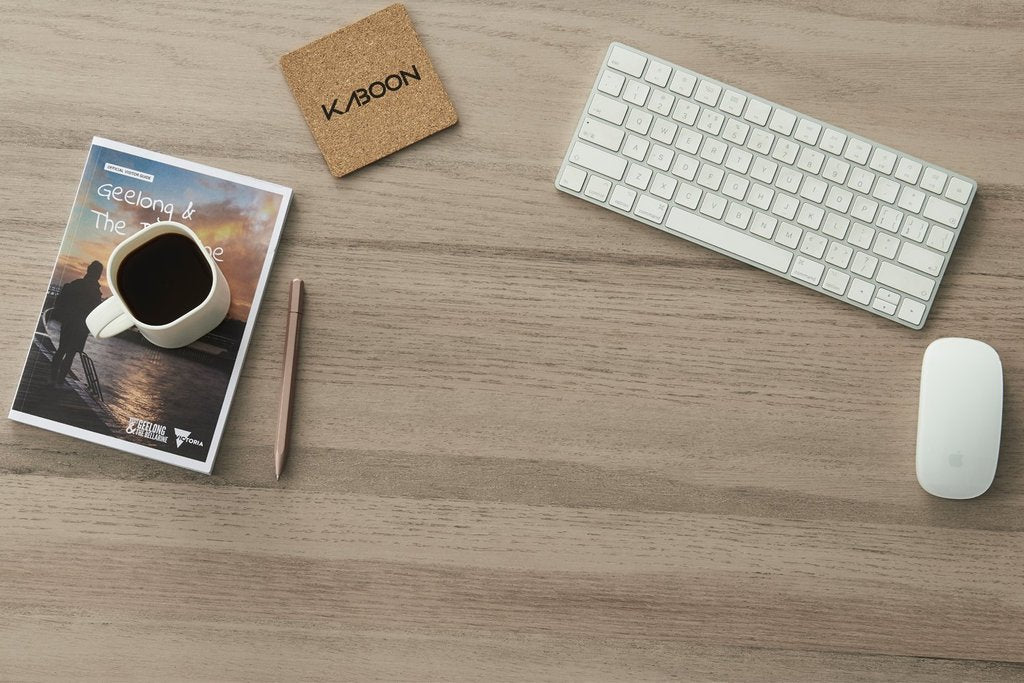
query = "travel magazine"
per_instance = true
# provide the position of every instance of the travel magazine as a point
(166, 404)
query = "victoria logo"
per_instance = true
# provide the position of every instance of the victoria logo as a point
(373, 91)
(182, 436)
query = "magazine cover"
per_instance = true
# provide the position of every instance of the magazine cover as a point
(122, 391)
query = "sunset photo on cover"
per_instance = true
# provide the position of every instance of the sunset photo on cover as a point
(124, 387)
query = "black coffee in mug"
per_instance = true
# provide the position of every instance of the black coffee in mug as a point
(164, 279)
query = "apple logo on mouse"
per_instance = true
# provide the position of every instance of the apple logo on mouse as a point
(956, 459)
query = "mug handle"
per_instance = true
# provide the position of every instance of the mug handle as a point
(108, 319)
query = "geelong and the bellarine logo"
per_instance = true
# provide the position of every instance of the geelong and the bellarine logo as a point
(375, 90)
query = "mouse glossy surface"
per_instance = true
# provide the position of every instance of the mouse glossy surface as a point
(959, 418)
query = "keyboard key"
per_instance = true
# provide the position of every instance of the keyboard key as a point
(941, 211)
(761, 141)
(763, 170)
(760, 196)
(710, 121)
(622, 198)
(910, 199)
(738, 160)
(661, 103)
(789, 235)
(880, 304)
(836, 170)
(688, 195)
(835, 281)
(664, 131)
(782, 122)
(627, 61)
(862, 180)
(889, 219)
(638, 176)
(658, 74)
(864, 265)
(636, 92)
(689, 141)
(906, 281)
(863, 209)
(908, 170)
(958, 190)
(810, 160)
(663, 186)
(598, 188)
(714, 151)
(810, 216)
(738, 215)
(732, 102)
(813, 245)
(707, 93)
(839, 199)
(789, 180)
(611, 83)
(911, 311)
(914, 228)
(887, 296)
(682, 83)
(735, 187)
(861, 236)
(940, 238)
(785, 206)
(832, 141)
(857, 151)
(735, 131)
(597, 160)
(807, 131)
(785, 151)
(813, 189)
(685, 112)
(710, 176)
(757, 112)
(713, 205)
(685, 167)
(572, 178)
(608, 109)
(639, 121)
(933, 180)
(650, 208)
(882, 161)
(835, 226)
(886, 245)
(733, 241)
(839, 254)
(886, 190)
(660, 157)
(919, 258)
(602, 134)
(807, 270)
(860, 291)
(763, 225)
(635, 147)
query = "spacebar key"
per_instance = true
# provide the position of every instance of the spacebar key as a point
(727, 239)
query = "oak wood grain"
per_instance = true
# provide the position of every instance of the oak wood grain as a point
(534, 440)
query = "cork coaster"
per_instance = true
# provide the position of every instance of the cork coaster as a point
(368, 90)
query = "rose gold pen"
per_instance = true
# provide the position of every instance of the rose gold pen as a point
(291, 349)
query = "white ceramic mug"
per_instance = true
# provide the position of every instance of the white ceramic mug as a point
(113, 315)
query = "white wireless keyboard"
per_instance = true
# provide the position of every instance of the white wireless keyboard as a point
(792, 195)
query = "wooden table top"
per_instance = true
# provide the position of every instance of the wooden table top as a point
(533, 439)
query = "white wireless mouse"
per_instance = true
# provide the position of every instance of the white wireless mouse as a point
(959, 418)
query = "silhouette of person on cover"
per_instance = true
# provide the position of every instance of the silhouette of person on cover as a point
(74, 303)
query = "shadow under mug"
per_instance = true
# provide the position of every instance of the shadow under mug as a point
(114, 315)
